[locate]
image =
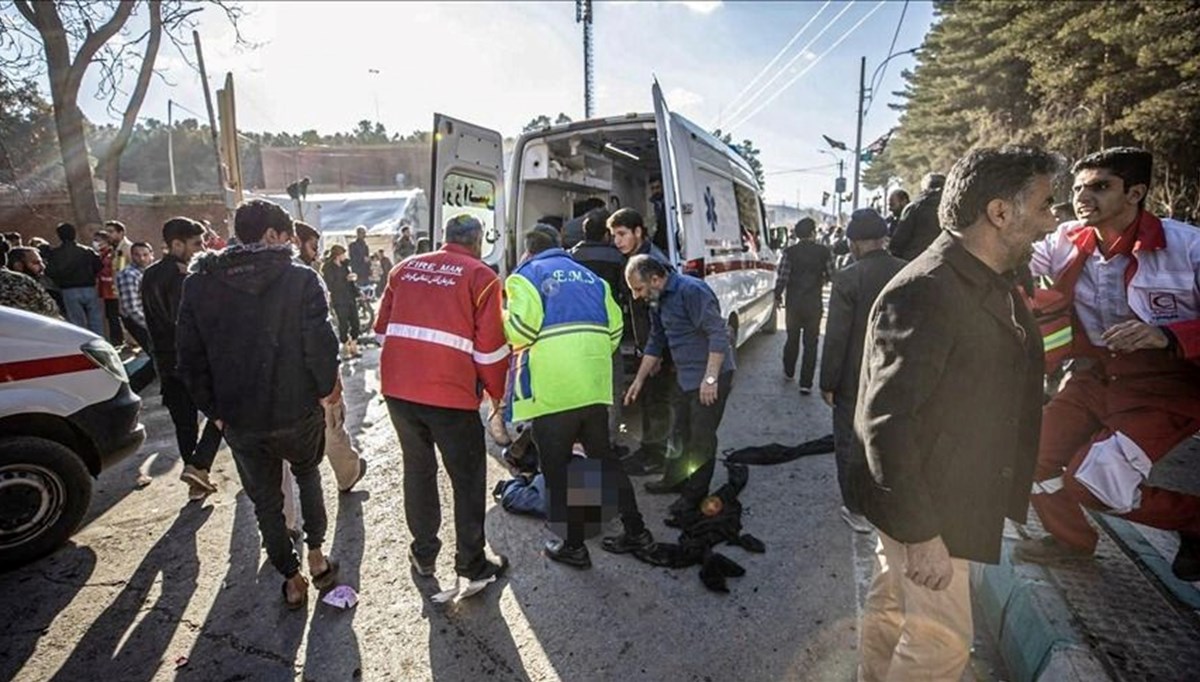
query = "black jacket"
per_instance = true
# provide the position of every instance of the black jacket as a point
(854, 290)
(72, 266)
(918, 226)
(342, 292)
(162, 285)
(604, 260)
(639, 309)
(256, 348)
(808, 267)
(950, 403)
(360, 259)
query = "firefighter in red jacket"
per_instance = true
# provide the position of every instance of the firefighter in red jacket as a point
(443, 341)
(1134, 391)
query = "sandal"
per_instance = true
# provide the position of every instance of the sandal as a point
(327, 578)
(294, 605)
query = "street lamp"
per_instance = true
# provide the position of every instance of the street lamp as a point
(862, 95)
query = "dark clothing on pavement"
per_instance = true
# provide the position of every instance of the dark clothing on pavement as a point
(162, 285)
(804, 269)
(950, 403)
(458, 435)
(555, 435)
(360, 259)
(195, 448)
(688, 321)
(695, 429)
(854, 290)
(73, 266)
(255, 345)
(258, 455)
(604, 260)
(918, 226)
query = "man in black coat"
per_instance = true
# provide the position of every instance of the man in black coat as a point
(949, 413)
(803, 271)
(162, 287)
(258, 353)
(854, 290)
(74, 269)
(918, 225)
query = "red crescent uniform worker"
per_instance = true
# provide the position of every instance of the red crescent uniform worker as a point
(1134, 393)
(444, 344)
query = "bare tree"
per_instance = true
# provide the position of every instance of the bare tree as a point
(74, 36)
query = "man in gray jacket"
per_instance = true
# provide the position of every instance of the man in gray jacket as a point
(854, 290)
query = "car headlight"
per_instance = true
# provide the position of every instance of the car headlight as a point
(106, 358)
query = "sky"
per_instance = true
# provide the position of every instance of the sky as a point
(325, 66)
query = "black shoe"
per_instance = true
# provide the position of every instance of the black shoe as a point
(805, 390)
(491, 569)
(1186, 566)
(1046, 550)
(626, 543)
(663, 486)
(788, 376)
(578, 557)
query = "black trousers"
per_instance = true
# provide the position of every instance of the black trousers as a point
(258, 456)
(555, 435)
(657, 403)
(849, 454)
(803, 322)
(144, 376)
(195, 448)
(112, 315)
(347, 318)
(696, 431)
(458, 434)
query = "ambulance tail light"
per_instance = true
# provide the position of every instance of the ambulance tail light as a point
(106, 358)
(694, 267)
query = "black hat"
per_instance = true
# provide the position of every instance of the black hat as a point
(866, 223)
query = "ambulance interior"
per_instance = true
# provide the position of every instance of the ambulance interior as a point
(563, 176)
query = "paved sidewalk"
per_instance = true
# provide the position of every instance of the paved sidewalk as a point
(1121, 615)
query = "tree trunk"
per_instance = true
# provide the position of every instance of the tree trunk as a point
(68, 121)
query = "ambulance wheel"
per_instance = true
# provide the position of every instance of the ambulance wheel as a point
(45, 490)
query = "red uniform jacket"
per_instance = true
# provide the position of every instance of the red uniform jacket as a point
(444, 330)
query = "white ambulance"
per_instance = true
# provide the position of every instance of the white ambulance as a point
(709, 205)
(66, 413)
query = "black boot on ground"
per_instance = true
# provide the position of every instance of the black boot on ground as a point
(578, 557)
(626, 543)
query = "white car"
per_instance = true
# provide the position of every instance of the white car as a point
(66, 413)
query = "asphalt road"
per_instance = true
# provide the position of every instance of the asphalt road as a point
(155, 588)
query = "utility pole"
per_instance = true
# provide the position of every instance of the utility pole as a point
(839, 188)
(212, 118)
(862, 94)
(171, 143)
(583, 15)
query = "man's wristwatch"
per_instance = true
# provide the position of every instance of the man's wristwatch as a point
(710, 380)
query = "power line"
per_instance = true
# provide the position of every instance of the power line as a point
(891, 49)
(808, 68)
(763, 70)
(810, 169)
(745, 104)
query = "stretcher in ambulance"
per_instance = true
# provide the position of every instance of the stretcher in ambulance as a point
(695, 192)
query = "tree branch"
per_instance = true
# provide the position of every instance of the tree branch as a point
(95, 40)
(117, 146)
(26, 11)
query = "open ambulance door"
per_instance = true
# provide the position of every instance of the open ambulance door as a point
(670, 172)
(468, 178)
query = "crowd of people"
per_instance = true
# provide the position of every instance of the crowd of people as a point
(934, 446)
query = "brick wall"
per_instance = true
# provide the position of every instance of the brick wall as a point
(143, 215)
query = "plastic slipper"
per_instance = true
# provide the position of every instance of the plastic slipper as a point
(327, 578)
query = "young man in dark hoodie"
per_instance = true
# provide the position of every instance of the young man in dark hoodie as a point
(264, 366)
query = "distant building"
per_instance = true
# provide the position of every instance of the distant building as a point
(345, 169)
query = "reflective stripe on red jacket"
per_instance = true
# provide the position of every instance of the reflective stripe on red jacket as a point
(444, 332)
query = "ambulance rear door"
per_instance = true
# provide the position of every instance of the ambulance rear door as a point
(468, 178)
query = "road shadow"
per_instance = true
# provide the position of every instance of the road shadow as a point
(56, 581)
(470, 639)
(332, 650)
(248, 634)
(113, 647)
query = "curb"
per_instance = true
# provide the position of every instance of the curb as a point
(1132, 541)
(1036, 633)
